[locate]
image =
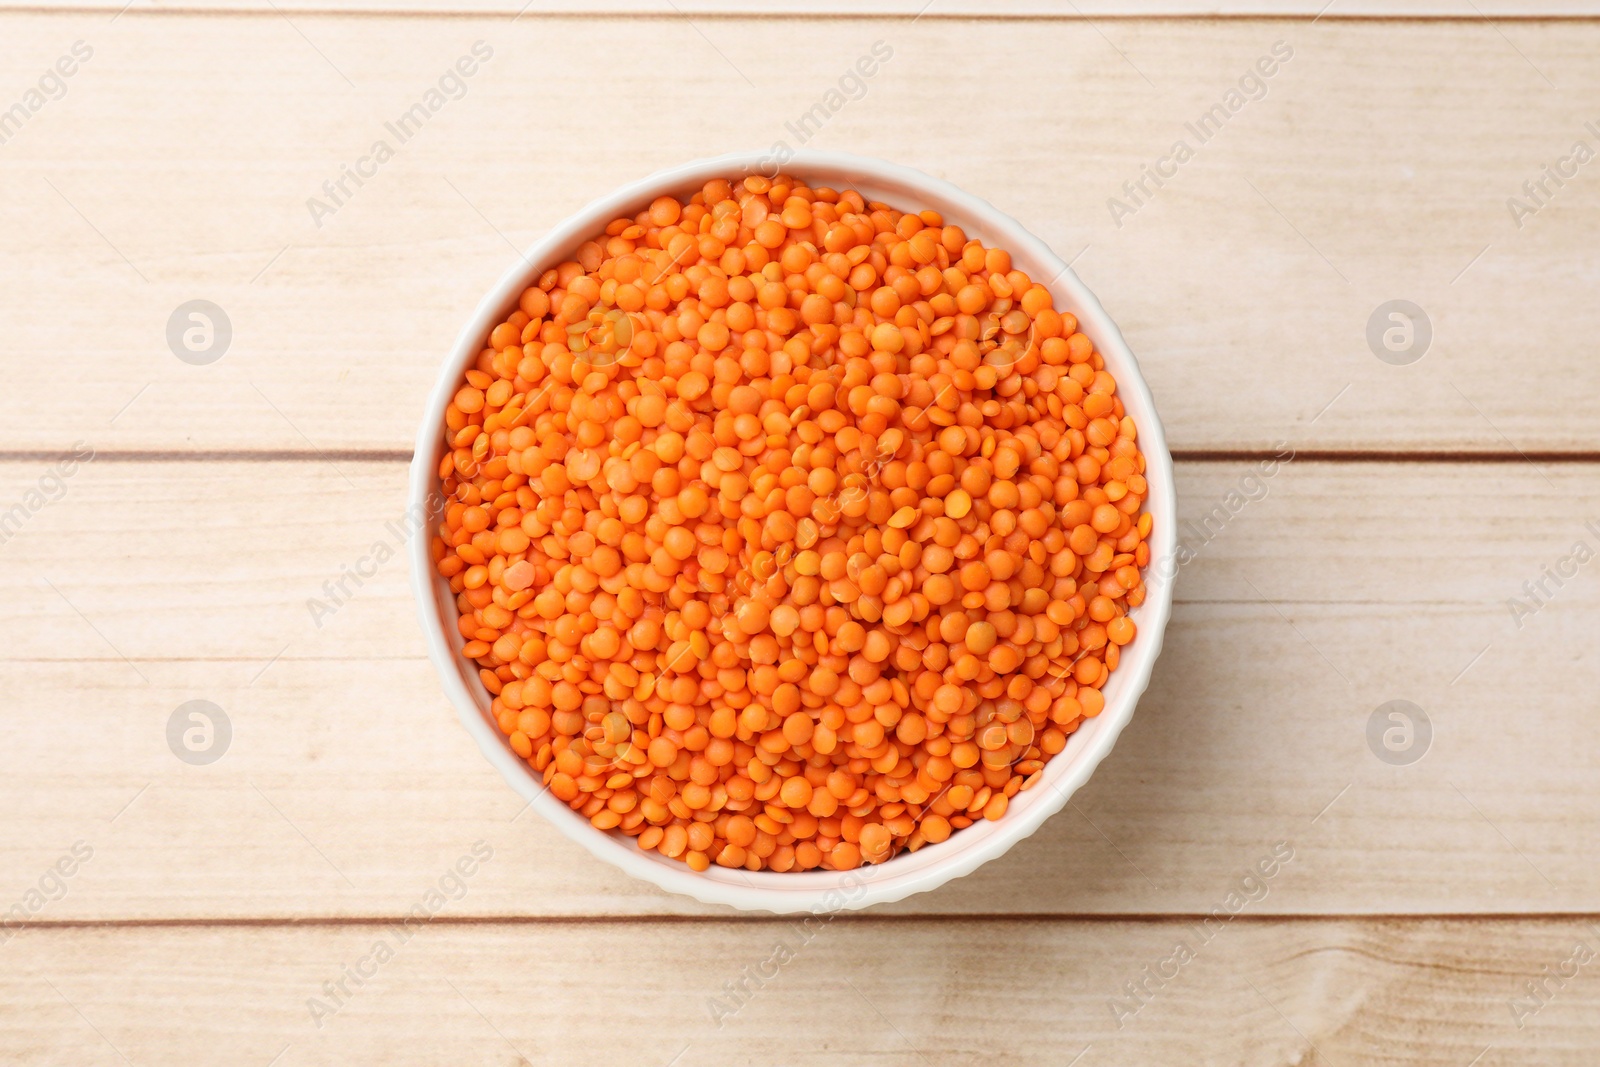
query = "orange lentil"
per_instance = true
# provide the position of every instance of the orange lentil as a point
(795, 552)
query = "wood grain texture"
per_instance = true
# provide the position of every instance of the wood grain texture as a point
(1338, 588)
(179, 164)
(936, 992)
(154, 911)
(918, 9)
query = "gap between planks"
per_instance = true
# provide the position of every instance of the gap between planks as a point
(742, 919)
(397, 455)
(1577, 11)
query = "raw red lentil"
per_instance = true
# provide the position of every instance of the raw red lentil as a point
(790, 530)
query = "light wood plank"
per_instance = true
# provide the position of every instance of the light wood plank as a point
(863, 992)
(348, 779)
(920, 9)
(185, 151)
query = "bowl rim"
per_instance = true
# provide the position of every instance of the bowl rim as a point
(908, 873)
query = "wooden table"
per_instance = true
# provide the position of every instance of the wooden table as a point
(1421, 544)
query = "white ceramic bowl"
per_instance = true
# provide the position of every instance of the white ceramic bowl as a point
(909, 872)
